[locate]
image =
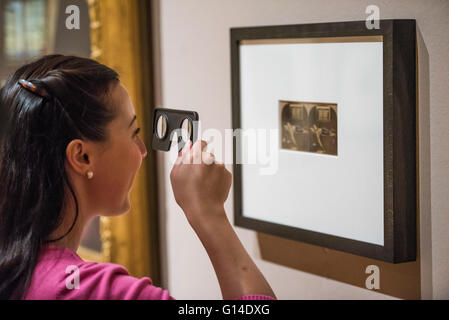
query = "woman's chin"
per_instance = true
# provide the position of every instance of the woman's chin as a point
(126, 207)
(122, 210)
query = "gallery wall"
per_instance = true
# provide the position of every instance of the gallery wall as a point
(192, 60)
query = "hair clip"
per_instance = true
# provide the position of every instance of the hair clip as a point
(33, 88)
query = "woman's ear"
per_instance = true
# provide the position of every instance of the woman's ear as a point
(78, 156)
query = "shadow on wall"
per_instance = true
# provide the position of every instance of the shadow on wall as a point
(424, 201)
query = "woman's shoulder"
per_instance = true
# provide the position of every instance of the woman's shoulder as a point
(60, 273)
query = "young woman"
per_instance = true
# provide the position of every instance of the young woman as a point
(70, 152)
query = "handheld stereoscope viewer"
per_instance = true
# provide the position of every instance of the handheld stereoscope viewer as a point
(167, 122)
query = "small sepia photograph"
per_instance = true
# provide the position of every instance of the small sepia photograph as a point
(309, 126)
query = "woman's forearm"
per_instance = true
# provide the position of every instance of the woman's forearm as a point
(237, 273)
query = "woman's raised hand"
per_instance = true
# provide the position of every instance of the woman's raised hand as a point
(200, 185)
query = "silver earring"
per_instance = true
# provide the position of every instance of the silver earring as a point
(90, 174)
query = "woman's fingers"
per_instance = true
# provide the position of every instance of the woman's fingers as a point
(208, 158)
(195, 154)
(185, 150)
(198, 148)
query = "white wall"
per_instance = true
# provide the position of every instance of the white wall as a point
(193, 71)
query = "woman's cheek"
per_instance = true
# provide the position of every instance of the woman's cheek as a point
(131, 161)
(138, 152)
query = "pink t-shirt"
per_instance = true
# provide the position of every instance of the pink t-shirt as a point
(61, 274)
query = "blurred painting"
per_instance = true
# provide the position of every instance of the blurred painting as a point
(33, 28)
(26, 27)
(309, 126)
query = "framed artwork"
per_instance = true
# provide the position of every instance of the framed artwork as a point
(341, 99)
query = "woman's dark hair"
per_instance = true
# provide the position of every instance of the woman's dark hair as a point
(33, 178)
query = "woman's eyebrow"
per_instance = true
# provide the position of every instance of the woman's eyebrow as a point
(134, 119)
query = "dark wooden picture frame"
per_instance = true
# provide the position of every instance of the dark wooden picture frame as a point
(399, 138)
